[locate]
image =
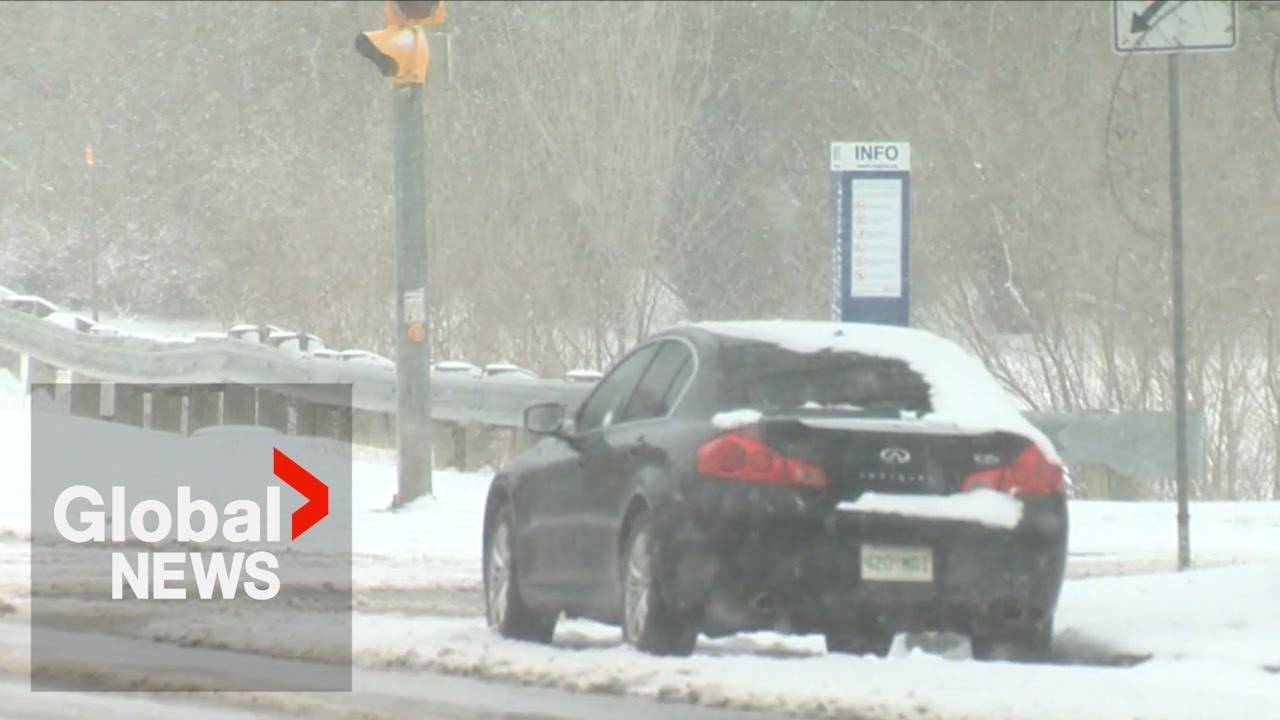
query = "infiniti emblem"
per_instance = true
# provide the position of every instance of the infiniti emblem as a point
(895, 456)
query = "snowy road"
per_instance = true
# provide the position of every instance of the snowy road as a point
(378, 694)
(16, 701)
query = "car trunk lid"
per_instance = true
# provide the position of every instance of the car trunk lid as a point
(887, 455)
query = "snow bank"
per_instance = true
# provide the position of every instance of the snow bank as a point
(911, 685)
(15, 449)
(794, 675)
(13, 395)
(963, 394)
(439, 534)
(1110, 536)
(985, 507)
(1193, 674)
(432, 541)
(1226, 615)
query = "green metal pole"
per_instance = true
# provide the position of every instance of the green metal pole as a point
(413, 381)
(91, 232)
(1179, 313)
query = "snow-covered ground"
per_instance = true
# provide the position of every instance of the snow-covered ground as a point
(1204, 641)
(1211, 635)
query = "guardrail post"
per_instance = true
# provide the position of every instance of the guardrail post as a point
(129, 404)
(86, 397)
(239, 405)
(205, 407)
(307, 418)
(334, 422)
(388, 425)
(166, 409)
(40, 373)
(521, 440)
(273, 410)
(479, 447)
(375, 429)
(444, 452)
(365, 428)
(458, 434)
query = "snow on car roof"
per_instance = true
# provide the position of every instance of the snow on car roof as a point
(961, 390)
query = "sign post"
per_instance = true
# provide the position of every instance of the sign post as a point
(871, 192)
(1160, 26)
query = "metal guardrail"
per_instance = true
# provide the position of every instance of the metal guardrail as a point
(493, 401)
(466, 409)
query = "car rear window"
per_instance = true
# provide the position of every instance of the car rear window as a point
(768, 378)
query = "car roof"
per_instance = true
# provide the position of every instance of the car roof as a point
(806, 331)
(962, 390)
(717, 332)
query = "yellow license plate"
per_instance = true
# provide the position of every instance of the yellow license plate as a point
(897, 563)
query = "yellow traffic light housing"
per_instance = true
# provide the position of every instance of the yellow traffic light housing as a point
(400, 50)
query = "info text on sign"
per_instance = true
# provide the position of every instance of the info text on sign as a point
(859, 156)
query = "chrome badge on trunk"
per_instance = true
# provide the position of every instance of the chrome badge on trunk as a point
(895, 456)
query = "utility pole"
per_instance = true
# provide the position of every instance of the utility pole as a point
(400, 51)
(91, 232)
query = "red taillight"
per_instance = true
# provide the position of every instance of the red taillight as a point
(1031, 473)
(743, 456)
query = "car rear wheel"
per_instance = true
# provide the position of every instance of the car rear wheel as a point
(647, 622)
(1032, 645)
(505, 610)
(866, 641)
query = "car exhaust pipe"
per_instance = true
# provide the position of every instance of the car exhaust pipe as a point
(765, 603)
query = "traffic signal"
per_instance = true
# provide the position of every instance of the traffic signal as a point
(400, 50)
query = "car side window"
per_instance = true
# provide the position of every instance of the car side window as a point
(605, 405)
(679, 382)
(650, 400)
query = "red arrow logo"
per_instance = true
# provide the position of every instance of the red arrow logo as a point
(316, 493)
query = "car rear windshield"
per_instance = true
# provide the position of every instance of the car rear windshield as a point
(769, 378)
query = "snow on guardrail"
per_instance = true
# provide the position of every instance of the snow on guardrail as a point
(34, 327)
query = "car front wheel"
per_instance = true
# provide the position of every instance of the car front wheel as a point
(505, 610)
(647, 622)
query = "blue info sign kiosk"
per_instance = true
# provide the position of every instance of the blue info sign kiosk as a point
(871, 213)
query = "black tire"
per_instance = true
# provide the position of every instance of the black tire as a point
(504, 609)
(867, 641)
(647, 622)
(1034, 645)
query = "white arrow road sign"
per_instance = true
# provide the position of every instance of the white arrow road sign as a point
(1174, 25)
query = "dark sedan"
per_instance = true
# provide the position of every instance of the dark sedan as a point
(850, 480)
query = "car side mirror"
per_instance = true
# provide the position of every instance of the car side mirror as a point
(545, 418)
